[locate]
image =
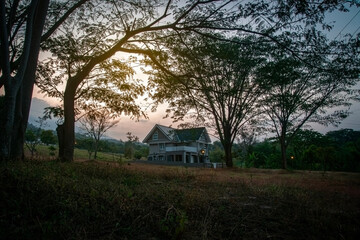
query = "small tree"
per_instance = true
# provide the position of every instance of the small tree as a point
(215, 82)
(31, 141)
(95, 123)
(47, 137)
(32, 136)
(301, 93)
(129, 145)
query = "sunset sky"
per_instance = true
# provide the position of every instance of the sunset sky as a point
(343, 23)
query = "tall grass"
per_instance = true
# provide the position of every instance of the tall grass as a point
(52, 200)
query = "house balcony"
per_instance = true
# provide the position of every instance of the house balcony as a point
(181, 149)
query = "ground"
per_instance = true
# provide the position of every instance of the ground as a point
(331, 182)
(109, 200)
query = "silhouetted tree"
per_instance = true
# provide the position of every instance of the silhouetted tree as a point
(218, 82)
(21, 28)
(300, 93)
(127, 27)
(47, 137)
(129, 145)
(95, 123)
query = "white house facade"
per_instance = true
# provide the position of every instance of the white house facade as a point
(178, 145)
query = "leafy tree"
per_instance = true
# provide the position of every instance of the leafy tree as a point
(343, 136)
(141, 151)
(267, 154)
(136, 27)
(47, 137)
(31, 141)
(301, 142)
(129, 145)
(217, 154)
(140, 27)
(300, 93)
(86, 143)
(21, 28)
(282, 26)
(33, 135)
(96, 123)
(218, 83)
(52, 150)
(346, 143)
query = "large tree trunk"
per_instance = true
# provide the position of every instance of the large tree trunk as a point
(96, 148)
(69, 124)
(228, 155)
(6, 123)
(283, 152)
(26, 90)
(227, 144)
(18, 89)
(60, 135)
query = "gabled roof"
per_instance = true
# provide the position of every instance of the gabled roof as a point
(167, 131)
(191, 134)
(180, 135)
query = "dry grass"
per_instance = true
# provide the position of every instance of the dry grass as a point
(99, 200)
(331, 182)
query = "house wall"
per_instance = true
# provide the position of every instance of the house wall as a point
(161, 137)
(175, 155)
(154, 147)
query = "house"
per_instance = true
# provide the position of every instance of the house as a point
(178, 145)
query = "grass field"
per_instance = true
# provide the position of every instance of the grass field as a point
(43, 153)
(108, 200)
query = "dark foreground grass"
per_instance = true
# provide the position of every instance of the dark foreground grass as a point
(51, 200)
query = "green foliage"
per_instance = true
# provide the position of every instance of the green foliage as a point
(130, 145)
(174, 223)
(112, 147)
(47, 137)
(32, 140)
(217, 155)
(335, 151)
(52, 150)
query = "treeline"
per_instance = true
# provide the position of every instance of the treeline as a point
(309, 150)
(129, 149)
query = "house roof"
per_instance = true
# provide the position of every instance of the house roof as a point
(191, 134)
(167, 131)
(179, 135)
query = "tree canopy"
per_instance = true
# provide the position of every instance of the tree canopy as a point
(84, 36)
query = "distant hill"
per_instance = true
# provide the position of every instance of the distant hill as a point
(37, 110)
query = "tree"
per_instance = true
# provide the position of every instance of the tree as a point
(217, 153)
(300, 93)
(129, 145)
(121, 30)
(31, 141)
(86, 143)
(136, 27)
(47, 137)
(22, 24)
(291, 27)
(33, 135)
(95, 123)
(219, 83)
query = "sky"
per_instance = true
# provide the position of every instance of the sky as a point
(343, 23)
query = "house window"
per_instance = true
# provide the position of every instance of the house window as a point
(162, 146)
(155, 136)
